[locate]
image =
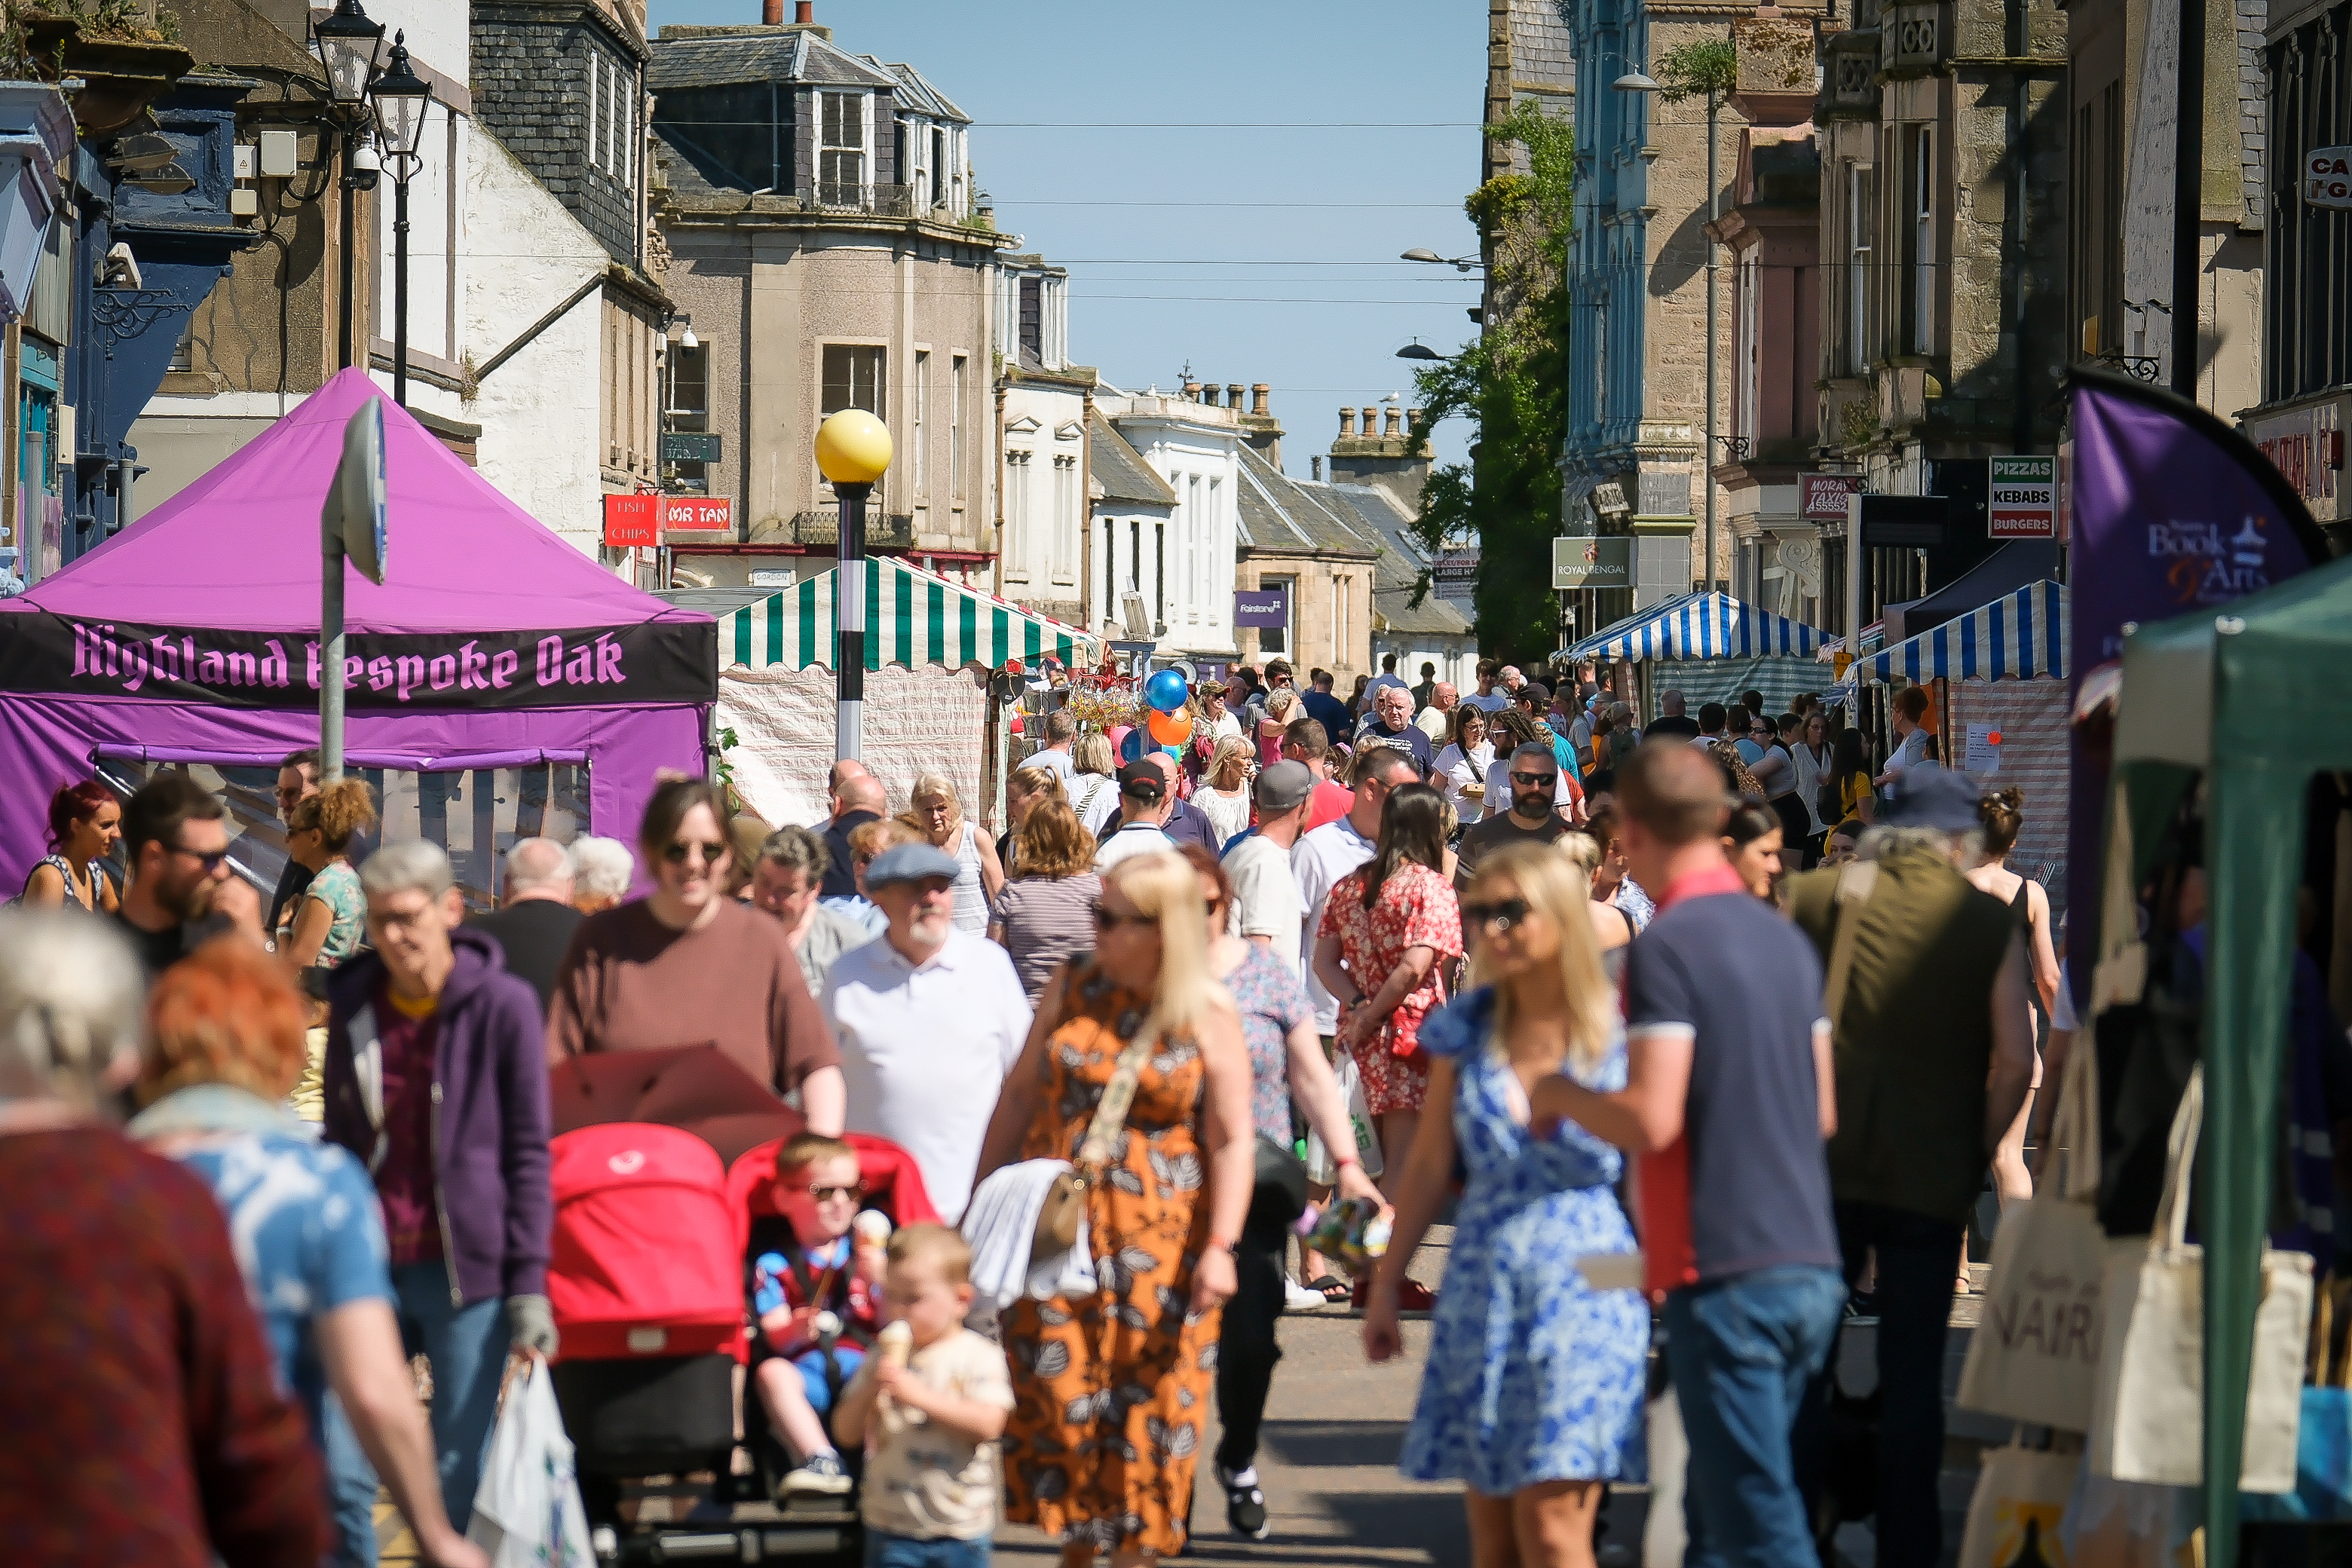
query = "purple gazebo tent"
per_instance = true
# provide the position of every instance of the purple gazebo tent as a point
(193, 636)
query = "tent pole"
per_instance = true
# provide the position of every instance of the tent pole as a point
(849, 608)
(330, 651)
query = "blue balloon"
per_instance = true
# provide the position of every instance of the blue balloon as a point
(1165, 692)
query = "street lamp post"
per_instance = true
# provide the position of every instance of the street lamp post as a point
(402, 98)
(853, 450)
(1714, 217)
(347, 42)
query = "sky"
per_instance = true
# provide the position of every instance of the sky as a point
(1229, 184)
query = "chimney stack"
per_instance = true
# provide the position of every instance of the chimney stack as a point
(1392, 428)
(1315, 466)
(1191, 392)
(1259, 391)
(804, 12)
(1234, 391)
(1347, 423)
(1412, 417)
(1372, 422)
(772, 12)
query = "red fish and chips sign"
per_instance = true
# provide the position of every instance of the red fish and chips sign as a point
(639, 521)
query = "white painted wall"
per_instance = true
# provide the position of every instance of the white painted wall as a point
(1196, 449)
(1045, 493)
(439, 33)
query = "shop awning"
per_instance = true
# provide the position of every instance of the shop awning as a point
(1700, 625)
(2018, 637)
(912, 617)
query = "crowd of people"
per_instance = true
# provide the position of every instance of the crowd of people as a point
(1556, 961)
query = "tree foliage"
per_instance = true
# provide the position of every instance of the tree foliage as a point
(1707, 69)
(1512, 384)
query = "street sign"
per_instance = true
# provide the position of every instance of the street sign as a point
(1588, 561)
(2024, 499)
(1453, 576)
(2327, 178)
(698, 513)
(1820, 498)
(1264, 608)
(687, 446)
(631, 521)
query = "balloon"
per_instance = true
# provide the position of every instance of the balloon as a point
(1165, 692)
(1170, 729)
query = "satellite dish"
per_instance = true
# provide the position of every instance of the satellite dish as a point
(353, 514)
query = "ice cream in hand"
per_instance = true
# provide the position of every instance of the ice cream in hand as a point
(894, 1343)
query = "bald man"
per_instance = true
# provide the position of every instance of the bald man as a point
(535, 925)
(858, 798)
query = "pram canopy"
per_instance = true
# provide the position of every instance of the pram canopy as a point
(647, 1240)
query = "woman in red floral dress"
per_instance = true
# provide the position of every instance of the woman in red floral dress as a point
(1395, 927)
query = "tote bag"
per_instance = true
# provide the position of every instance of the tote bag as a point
(2015, 1512)
(2322, 1459)
(527, 1511)
(2147, 1417)
(2035, 1355)
(1319, 1166)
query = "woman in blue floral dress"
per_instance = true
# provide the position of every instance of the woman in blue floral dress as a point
(1532, 1393)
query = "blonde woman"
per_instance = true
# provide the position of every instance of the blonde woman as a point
(332, 915)
(937, 812)
(1281, 707)
(1111, 1387)
(1094, 787)
(1532, 1393)
(1224, 796)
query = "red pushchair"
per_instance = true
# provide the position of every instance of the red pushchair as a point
(654, 1239)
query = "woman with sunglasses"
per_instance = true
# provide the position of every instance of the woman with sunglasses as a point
(1463, 766)
(689, 965)
(1532, 1394)
(1390, 932)
(1112, 1385)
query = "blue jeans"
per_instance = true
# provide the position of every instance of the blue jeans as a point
(1741, 1351)
(906, 1551)
(467, 1347)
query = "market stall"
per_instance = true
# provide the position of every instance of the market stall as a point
(2253, 699)
(932, 648)
(1998, 674)
(500, 682)
(1710, 647)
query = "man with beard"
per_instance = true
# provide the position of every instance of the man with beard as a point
(175, 836)
(1532, 820)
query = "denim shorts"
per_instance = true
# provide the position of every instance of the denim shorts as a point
(886, 1551)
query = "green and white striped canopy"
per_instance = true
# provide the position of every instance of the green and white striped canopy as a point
(912, 617)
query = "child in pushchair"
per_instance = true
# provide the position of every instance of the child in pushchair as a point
(817, 1303)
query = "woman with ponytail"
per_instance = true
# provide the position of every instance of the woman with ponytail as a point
(332, 916)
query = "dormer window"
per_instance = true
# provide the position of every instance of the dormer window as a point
(844, 133)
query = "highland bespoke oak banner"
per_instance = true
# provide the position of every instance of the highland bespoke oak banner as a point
(580, 667)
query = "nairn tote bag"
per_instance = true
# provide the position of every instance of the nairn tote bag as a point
(2035, 1355)
(2147, 1418)
(2015, 1512)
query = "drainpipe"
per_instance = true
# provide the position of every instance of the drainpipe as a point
(2020, 157)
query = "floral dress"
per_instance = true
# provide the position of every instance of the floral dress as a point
(1416, 908)
(1111, 1392)
(1533, 1375)
(338, 888)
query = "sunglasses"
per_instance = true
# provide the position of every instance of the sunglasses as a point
(1531, 780)
(1111, 920)
(827, 1194)
(1503, 914)
(678, 854)
(208, 858)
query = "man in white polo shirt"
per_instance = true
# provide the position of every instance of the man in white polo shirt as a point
(929, 1020)
(1266, 909)
(1335, 849)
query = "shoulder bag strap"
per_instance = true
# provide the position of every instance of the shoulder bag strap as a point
(1110, 1112)
(1856, 880)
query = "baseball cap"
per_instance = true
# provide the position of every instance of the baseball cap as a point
(910, 863)
(1282, 786)
(1141, 778)
(1535, 691)
(1942, 798)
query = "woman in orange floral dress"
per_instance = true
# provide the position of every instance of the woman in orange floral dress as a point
(1112, 1389)
(1397, 927)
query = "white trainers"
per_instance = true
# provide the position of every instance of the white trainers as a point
(820, 1476)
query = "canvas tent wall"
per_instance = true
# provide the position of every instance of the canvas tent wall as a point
(930, 645)
(1709, 647)
(500, 680)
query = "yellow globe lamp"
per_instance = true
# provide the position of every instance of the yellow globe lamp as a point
(852, 448)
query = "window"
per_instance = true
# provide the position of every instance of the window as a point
(1159, 577)
(1207, 594)
(1193, 532)
(923, 402)
(1923, 240)
(689, 409)
(853, 379)
(841, 148)
(1017, 515)
(1066, 521)
(1276, 639)
(932, 174)
(1861, 183)
(1747, 358)
(956, 376)
(596, 92)
(2099, 224)
(1032, 320)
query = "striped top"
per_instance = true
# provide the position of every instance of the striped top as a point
(1047, 920)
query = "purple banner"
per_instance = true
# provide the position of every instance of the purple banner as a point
(2172, 512)
(1261, 607)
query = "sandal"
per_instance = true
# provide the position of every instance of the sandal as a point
(1332, 1289)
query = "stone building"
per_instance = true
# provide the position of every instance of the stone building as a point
(534, 307)
(817, 207)
(1044, 411)
(1383, 453)
(1179, 563)
(1306, 541)
(1531, 61)
(1944, 155)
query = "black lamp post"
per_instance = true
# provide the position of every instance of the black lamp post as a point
(347, 43)
(402, 98)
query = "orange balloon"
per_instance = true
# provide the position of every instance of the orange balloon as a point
(1170, 729)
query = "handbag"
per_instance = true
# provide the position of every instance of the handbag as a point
(1279, 1196)
(2015, 1512)
(1066, 1199)
(2035, 1355)
(2148, 1415)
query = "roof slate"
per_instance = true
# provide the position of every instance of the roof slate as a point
(761, 55)
(1380, 514)
(917, 93)
(1122, 471)
(1278, 512)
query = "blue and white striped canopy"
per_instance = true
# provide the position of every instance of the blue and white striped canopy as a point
(1700, 625)
(2018, 637)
